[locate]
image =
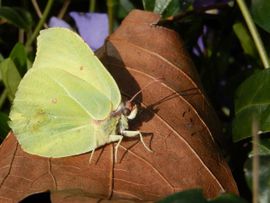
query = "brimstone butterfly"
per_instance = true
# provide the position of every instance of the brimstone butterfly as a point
(68, 103)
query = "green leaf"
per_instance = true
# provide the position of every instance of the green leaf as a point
(172, 9)
(196, 196)
(188, 196)
(252, 102)
(1, 58)
(264, 177)
(157, 6)
(167, 7)
(16, 16)
(10, 76)
(245, 39)
(149, 5)
(260, 13)
(4, 128)
(125, 6)
(19, 57)
(228, 198)
(161, 5)
(263, 147)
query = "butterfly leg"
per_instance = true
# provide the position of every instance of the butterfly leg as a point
(91, 156)
(129, 133)
(114, 138)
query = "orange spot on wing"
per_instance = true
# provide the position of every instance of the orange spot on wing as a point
(54, 100)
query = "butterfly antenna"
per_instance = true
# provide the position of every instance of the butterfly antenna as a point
(150, 83)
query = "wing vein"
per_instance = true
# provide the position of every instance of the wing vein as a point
(70, 95)
(76, 76)
(58, 133)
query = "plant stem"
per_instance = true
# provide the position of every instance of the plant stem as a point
(3, 97)
(255, 161)
(21, 35)
(92, 5)
(40, 24)
(110, 5)
(254, 33)
(63, 9)
(37, 9)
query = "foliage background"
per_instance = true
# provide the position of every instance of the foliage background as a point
(231, 62)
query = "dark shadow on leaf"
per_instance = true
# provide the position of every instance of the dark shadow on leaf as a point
(44, 197)
(99, 156)
(135, 143)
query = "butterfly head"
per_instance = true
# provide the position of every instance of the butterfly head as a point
(128, 109)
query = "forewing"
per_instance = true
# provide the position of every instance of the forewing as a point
(64, 49)
(50, 115)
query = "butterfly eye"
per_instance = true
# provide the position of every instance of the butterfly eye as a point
(126, 112)
(133, 112)
(130, 110)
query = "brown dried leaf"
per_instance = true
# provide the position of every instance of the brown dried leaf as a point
(141, 45)
(181, 127)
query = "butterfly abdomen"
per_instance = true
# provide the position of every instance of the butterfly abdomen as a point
(106, 128)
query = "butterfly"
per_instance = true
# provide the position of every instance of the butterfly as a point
(68, 103)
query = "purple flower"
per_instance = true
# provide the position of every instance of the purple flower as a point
(56, 22)
(93, 27)
(200, 48)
